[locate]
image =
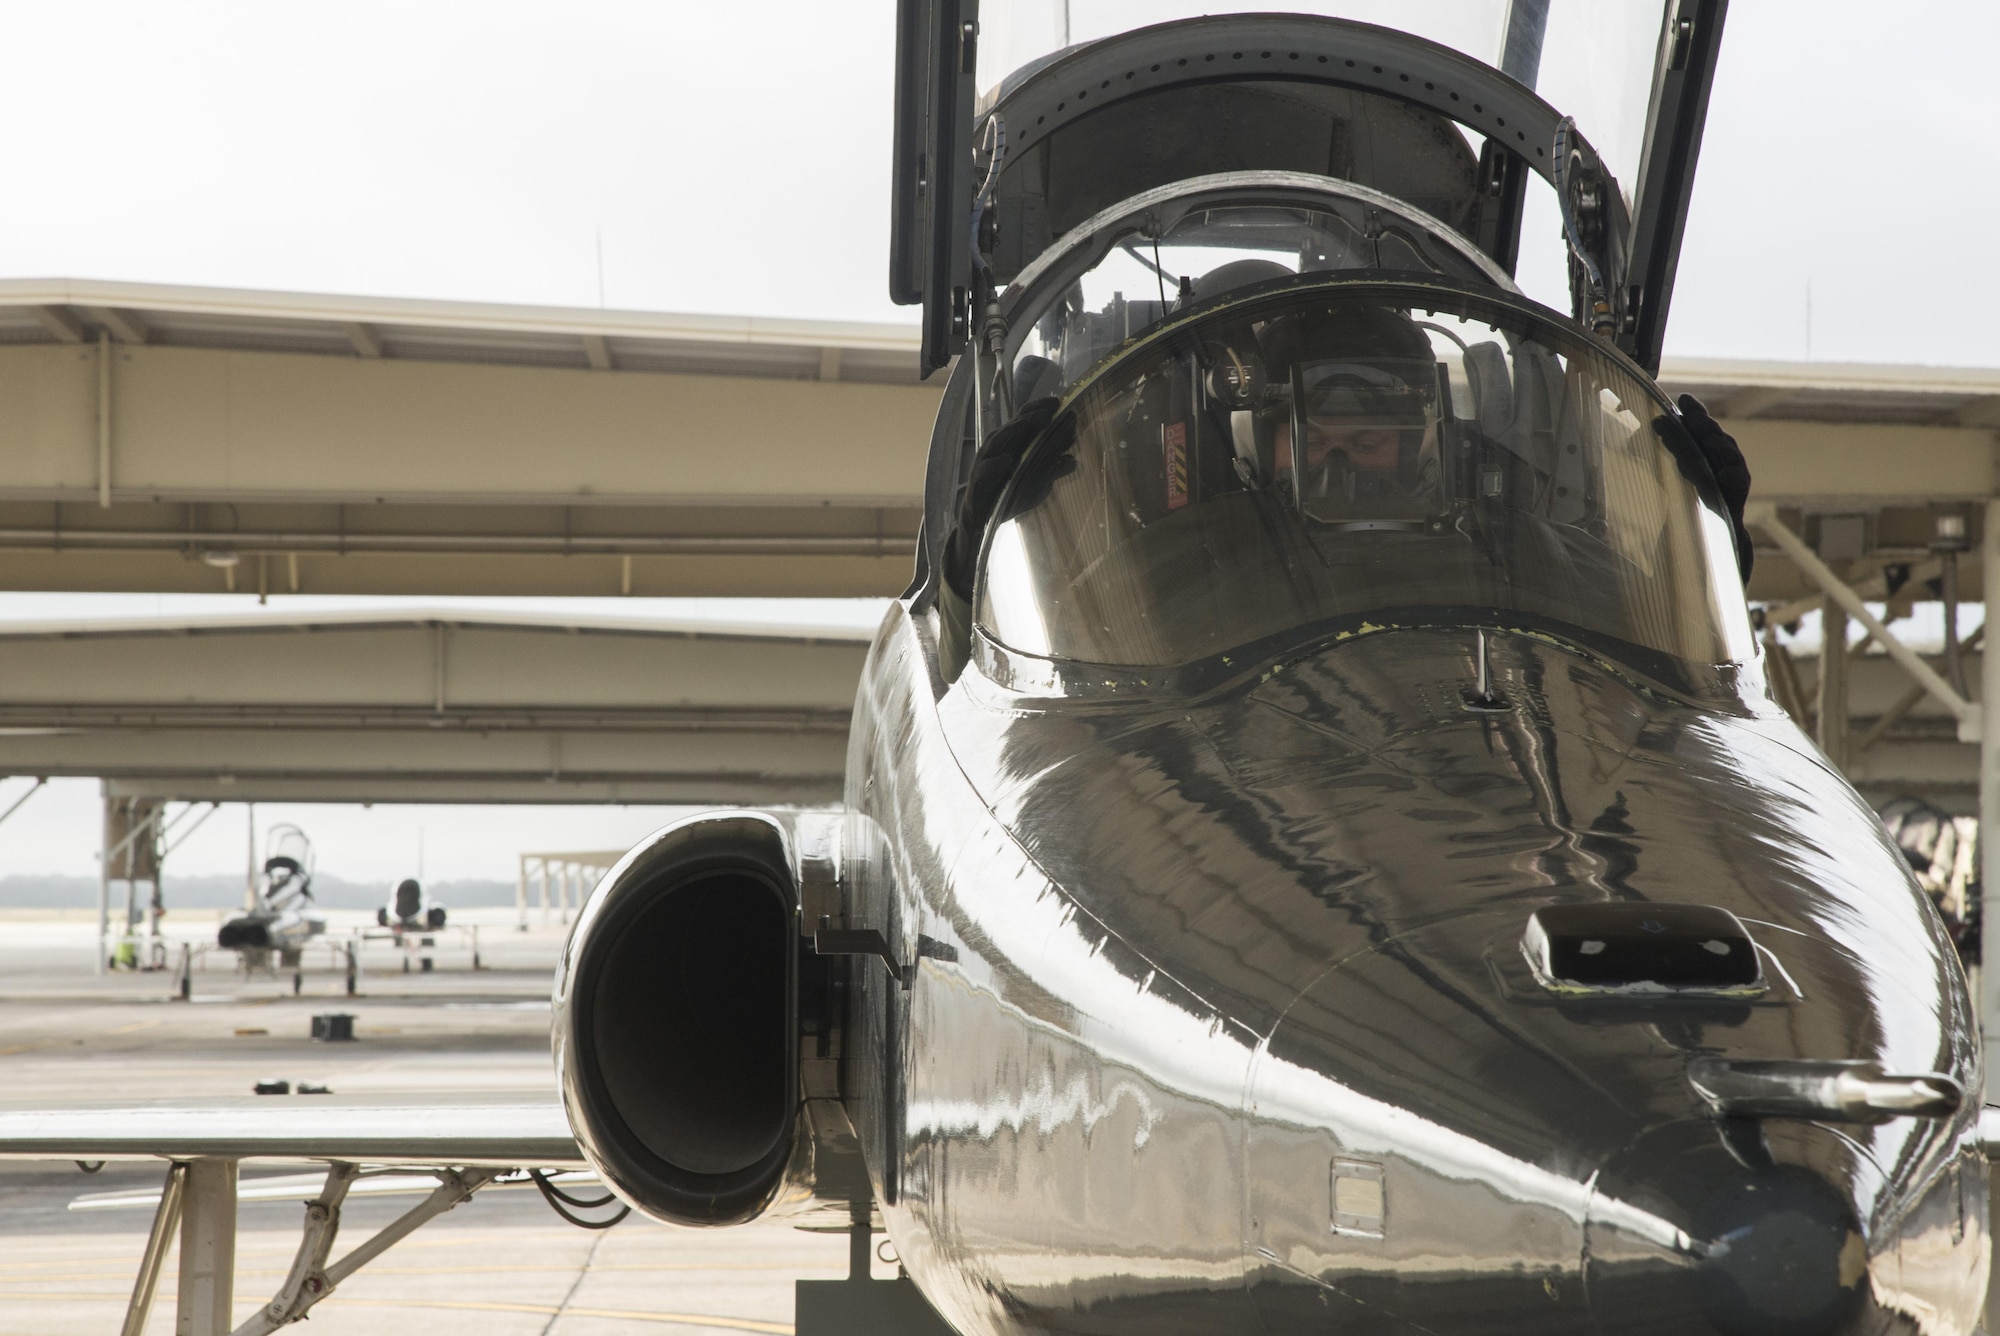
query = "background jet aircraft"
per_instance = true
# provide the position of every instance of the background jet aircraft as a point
(1319, 850)
(410, 912)
(283, 919)
(410, 909)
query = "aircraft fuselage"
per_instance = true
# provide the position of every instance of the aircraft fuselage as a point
(1220, 1014)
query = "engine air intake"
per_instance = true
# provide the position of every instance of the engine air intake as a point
(676, 1021)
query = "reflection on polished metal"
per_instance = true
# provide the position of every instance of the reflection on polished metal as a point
(1837, 1091)
(1205, 944)
(1338, 860)
(1340, 637)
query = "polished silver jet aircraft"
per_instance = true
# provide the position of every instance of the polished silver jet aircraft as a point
(1319, 853)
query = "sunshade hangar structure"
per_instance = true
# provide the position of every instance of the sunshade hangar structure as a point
(1317, 849)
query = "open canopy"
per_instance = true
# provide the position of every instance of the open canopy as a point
(1593, 59)
(1019, 119)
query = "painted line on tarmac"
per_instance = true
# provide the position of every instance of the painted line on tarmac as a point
(551, 1310)
(546, 1310)
(21, 1277)
(72, 1042)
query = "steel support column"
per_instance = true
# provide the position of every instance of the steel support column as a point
(208, 1249)
(103, 879)
(1837, 591)
(166, 1220)
(1989, 808)
(1833, 683)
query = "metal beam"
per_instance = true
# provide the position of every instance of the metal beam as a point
(208, 1250)
(1867, 381)
(124, 539)
(1982, 412)
(209, 425)
(367, 343)
(1907, 703)
(206, 812)
(306, 765)
(1748, 403)
(250, 318)
(737, 488)
(1830, 713)
(61, 323)
(125, 326)
(103, 420)
(33, 789)
(1873, 589)
(555, 709)
(660, 789)
(758, 572)
(299, 1295)
(166, 1223)
(1967, 713)
(597, 352)
(547, 665)
(1863, 466)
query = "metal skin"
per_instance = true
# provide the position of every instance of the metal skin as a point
(1185, 959)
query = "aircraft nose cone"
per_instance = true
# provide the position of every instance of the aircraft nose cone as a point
(1784, 1256)
(1690, 1232)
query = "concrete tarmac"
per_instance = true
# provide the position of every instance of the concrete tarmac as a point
(502, 1263)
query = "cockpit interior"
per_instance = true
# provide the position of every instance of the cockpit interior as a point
(1286, 385)
(1327, 457)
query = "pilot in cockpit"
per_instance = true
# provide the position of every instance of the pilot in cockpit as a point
(1360, 388)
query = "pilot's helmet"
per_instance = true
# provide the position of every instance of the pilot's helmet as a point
(1365, 383)
(1234, 274)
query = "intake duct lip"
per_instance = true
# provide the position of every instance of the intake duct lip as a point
(675, 1021)
(1640, 949)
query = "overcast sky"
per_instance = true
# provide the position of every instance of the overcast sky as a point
(734, 159)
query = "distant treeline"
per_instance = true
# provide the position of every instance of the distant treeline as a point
(225, 891)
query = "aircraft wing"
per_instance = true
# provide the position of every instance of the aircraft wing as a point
(507, 1131)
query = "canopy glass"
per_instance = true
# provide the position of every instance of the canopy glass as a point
(1591, 59)
(1346, 456)
(1224, 234)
